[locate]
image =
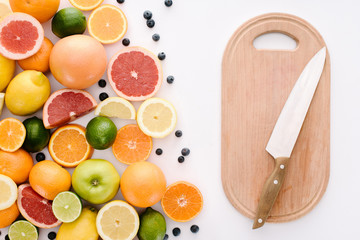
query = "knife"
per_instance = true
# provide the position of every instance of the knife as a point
(286, 131)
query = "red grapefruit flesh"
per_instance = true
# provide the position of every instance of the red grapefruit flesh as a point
(35, 208)
(66, 105)
(135, 73)
(21, 36)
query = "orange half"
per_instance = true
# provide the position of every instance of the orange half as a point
(68, 146)
(107, 24)
(12, 134)
(86, 5)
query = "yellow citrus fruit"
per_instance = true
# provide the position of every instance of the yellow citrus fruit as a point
(2, 99)
(8, 191)
(116, 107)
(7, 70)
(16, 165)
(9, 215)
(4, 9)
(86, 5)
(42, 10)
(12, 134)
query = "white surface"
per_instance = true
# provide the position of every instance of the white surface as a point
(194, 35)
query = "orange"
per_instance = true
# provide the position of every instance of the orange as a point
(12, 134)
(131, 145)
(48, 179)
(16, 165)
(39, 61)
(9, 215)
(42, 10)
(68, 146)
(143, 184)
(107, 24)
(86, 5)
(182, 201)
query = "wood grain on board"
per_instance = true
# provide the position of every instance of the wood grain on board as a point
(255, 87)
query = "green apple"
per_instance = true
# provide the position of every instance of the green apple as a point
(96, 181)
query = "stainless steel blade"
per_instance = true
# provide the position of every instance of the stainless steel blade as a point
(289, 123)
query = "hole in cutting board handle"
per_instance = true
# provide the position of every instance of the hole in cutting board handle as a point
(275, 41)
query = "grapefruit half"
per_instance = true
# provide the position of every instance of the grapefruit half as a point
(35, 208)
(21, 36)
(66, 105)
(135, 73)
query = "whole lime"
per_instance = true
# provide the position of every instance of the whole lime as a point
(68, 21)
(101, 133)
(37, 136)
(152, 225)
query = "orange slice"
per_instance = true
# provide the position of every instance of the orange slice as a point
(107, 24)
(68, 146)
(131, 145)
(12, 134)
(86, 5)
(182, 201)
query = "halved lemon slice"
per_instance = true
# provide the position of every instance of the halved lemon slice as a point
(117, 220)
(2, 98)
(116, 107)
(156, 117)
(4, 9)
(8, 191)
(86, 5)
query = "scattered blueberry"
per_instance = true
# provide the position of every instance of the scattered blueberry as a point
(103, 96)
(102, 83)
(181, 159)
(178, 133)
(168, 3)
(0, 233)
(40, 157)
(150, 23)
(159, 151)
(156, 37)
(185, 152)
(161, 56)
(147, 14)
(52, 235)
(126, 42)
(166, 237)
(170, 79)
(194, 228)
(176, 232)
(120, 1)
(7, 237)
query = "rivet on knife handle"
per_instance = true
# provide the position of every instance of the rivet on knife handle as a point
(270, 191)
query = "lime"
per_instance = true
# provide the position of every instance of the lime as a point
(23, 230)
(101, 133)
(68, 21)
(37, 136)
(67, 206)
(152, 225)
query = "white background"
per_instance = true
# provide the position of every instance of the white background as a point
(194, 35)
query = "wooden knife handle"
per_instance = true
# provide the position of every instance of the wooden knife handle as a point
(270, 191)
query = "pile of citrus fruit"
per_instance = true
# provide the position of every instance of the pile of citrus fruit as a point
(46, 195)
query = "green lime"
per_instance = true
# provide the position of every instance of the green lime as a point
(67, 206)
(23, 230)
(101, 133)
(37, 136)
(68, 21)
(152, 225)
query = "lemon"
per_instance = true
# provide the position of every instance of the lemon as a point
(8, 191)
(4, 9)
(27, 92)
(7, 69)
(2, 98)
(116, 107)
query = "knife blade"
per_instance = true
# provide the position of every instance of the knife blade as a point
(286, 131)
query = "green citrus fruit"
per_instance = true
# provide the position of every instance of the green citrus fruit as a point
(37, 136)
(68, 21)
(101, 133)
(152, 225)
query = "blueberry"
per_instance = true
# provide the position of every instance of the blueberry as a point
(156, 37)
(102, 83)
(181, 159)
(52, 235)
(147, 14)
(40, 157)
(120, 1)
(170, 79)
(126, 42)
(7, 237)
(166, 237)
(185, 152)
(150, 23)
(103, 96)
(168, 3)
(178, 133)
(159, 151)
(176, 231)
(194, 228)
(161, 56)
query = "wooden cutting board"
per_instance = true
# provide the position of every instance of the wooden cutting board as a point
(255, 87)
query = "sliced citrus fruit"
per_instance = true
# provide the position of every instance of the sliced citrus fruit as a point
(12, 134)
(8, 191)
(68, 146)
(135, 73)
(67, 206)
(4, 9)
(182, 201)
(156, 117)
(21, 36)
(116, 107)
(2, 99)
(23, 230)
(66, 105)
(117, 220)
(107, 24)
(86, 5)
(131, 145)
